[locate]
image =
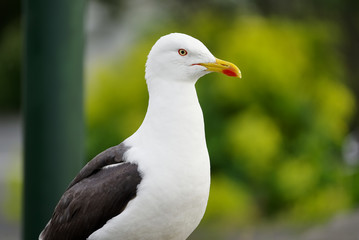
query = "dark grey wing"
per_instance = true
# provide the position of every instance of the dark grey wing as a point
(110, 156)
(91, 201)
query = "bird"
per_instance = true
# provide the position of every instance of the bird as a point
(155, 184)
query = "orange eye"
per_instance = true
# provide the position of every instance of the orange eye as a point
(182, 52)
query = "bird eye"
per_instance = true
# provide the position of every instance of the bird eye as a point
(182, 52)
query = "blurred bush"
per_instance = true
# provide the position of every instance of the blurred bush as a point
(10, 68)
(11, 206)
(275, 134)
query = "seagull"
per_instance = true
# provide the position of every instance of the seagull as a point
(155, 184)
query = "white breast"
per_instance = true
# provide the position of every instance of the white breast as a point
(171, 153)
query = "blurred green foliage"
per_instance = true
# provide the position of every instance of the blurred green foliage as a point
(11, 206)
(274, 136)
(10, 68)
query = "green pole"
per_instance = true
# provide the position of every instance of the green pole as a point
(52, 105)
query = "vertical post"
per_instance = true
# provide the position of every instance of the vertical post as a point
(52, 105)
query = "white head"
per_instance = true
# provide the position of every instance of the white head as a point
(179, 57)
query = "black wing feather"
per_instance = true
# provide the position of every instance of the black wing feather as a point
(110, 156)
(96, 195)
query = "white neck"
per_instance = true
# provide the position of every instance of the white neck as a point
(174, 117)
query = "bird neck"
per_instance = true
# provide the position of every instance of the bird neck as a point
(172, 97)
(174, 114)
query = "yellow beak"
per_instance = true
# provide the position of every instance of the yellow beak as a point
(224, 67)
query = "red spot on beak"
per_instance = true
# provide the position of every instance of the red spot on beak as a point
(229, 73)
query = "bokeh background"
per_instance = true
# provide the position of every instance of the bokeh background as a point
(283, 140)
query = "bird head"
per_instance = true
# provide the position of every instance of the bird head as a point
(180, 57)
